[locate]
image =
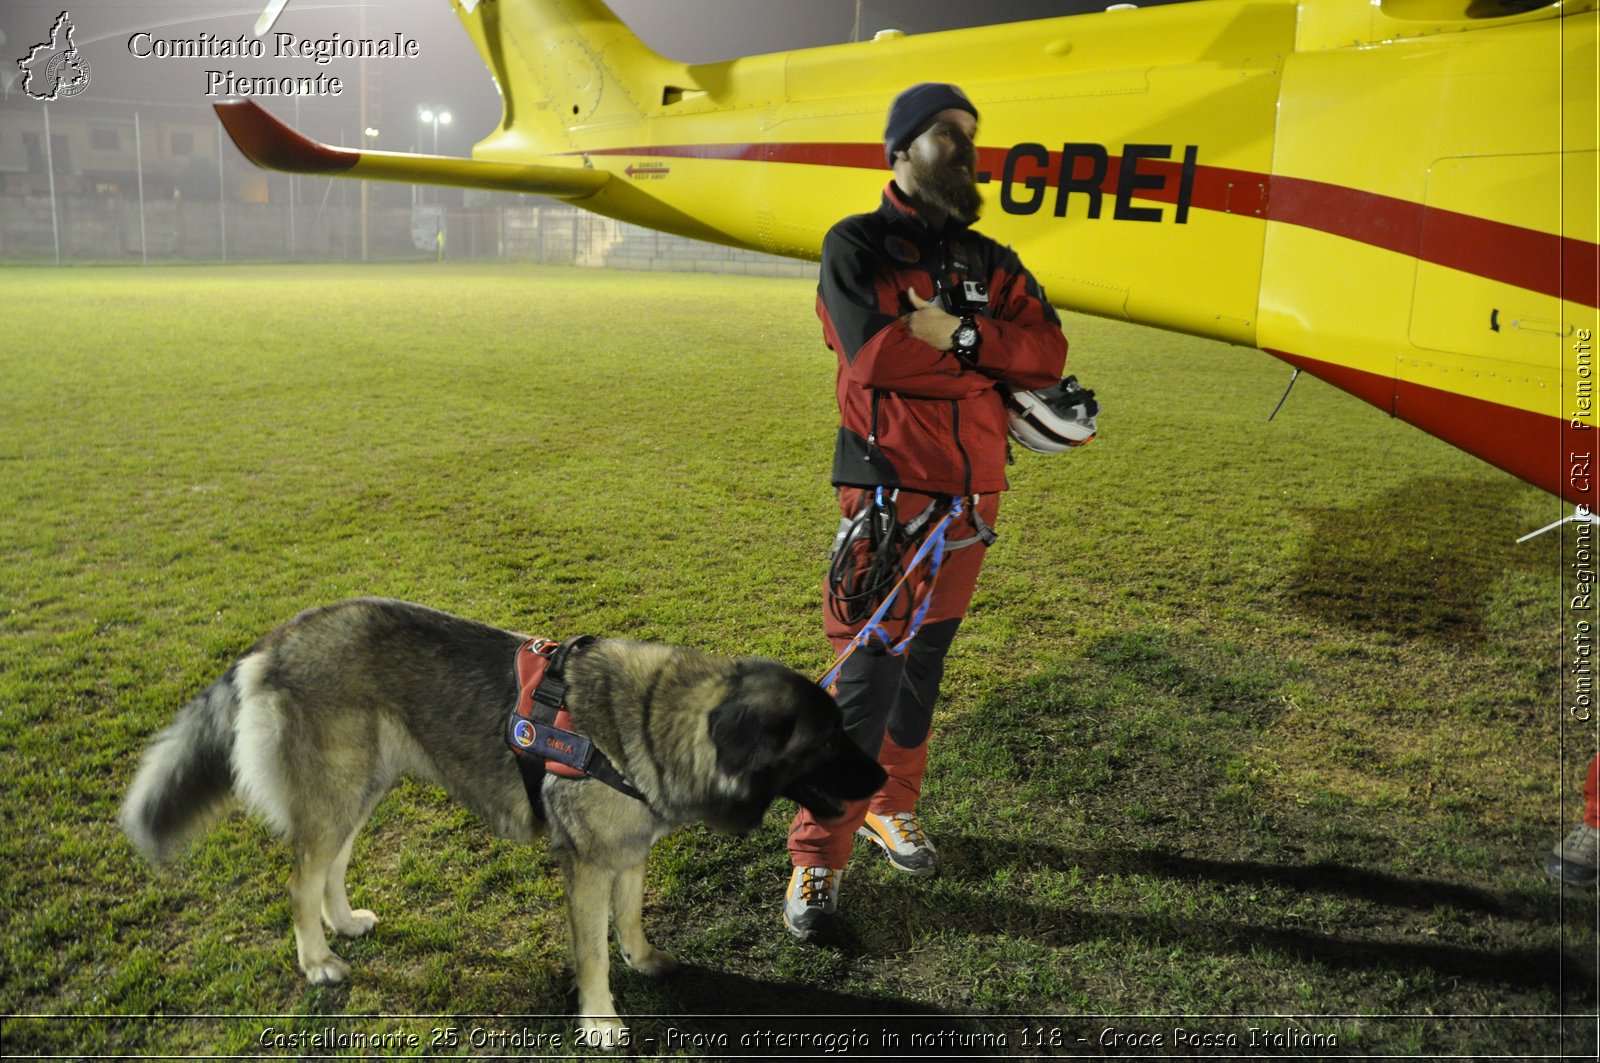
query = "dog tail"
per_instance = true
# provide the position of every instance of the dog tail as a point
(186, 776)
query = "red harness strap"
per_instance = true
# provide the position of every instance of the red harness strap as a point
(542, 726)
(539, 730)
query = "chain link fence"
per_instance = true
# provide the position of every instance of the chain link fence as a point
(136, 181)
(119, 229)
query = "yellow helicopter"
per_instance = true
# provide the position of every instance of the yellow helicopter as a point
(1397, 196)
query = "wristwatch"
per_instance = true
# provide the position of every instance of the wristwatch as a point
(964, 342)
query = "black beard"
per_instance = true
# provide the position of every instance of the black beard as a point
(945, 187)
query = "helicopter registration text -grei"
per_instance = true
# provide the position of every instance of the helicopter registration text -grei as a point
(1094, 173)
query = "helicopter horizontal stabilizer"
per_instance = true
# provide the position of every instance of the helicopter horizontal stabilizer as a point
(273, 145)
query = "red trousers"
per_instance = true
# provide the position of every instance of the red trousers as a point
(888, 699)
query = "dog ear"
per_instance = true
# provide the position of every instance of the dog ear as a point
(747, 738)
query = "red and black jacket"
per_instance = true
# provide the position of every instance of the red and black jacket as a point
(911, 415)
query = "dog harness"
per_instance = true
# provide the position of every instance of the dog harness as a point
(540, 728)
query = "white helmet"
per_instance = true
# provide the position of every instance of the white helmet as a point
(1052, 419)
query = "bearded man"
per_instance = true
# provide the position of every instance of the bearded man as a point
(929, 319)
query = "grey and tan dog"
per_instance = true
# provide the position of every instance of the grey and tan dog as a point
(315, 723)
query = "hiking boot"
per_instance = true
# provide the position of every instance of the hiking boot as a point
(813, 896)
(1576, 861)
(901, 838)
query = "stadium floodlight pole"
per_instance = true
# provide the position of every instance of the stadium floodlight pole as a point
(293, 187)
(222, 198)
(50, 169)
(423, 116)
(366, 116)
(138, 166)
(429, 116)
(368, 133)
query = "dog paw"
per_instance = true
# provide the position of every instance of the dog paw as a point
(652, 961)
(329, 970)
(361, 921)
(603, 1032)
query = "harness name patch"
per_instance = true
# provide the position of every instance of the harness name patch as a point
(540, 725)
(539, 730)
(562, 746)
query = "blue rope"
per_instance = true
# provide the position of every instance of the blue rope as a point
(932, 543)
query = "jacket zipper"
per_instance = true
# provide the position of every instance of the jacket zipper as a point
(872, 429)
(955, 430)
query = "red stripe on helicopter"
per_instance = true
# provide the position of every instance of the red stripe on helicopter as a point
(1524, 443)
(1528, 258)
(1547, 263)
(266, 141)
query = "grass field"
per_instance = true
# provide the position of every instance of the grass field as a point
(1252, 726)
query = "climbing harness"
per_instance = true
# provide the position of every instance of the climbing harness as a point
(854, 590)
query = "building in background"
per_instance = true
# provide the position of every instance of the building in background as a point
(149, 182)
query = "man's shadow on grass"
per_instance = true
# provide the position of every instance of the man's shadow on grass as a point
(704, 997)
(713, 1003)
(705, 1000)
(1540, 967)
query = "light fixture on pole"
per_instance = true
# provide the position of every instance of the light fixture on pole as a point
(436, 119)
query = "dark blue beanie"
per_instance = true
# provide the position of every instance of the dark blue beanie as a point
(914, 108)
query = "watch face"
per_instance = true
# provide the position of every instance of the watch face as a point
(966, 336)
